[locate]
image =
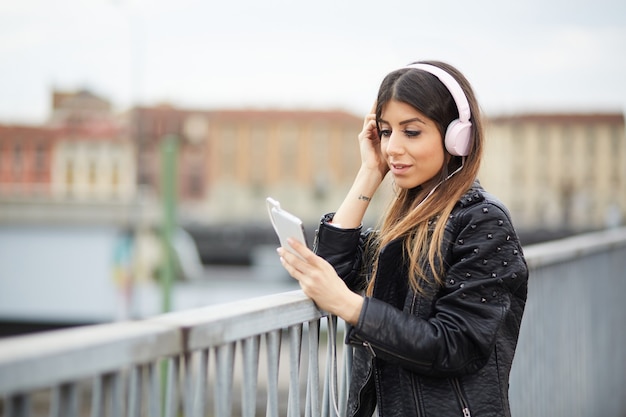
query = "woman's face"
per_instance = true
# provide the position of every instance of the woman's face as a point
(411, 144)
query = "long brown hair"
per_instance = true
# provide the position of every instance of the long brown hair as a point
(415, 215)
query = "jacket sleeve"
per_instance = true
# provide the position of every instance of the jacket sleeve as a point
(485, 270)
(343, 249)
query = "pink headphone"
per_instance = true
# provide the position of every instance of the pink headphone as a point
(459, 131)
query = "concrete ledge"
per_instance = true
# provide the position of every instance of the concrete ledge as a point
(561, 250)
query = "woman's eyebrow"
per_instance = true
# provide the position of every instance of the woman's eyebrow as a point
(415, 119)
(404, 122)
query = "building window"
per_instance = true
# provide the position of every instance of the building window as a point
(258, 155)
(195, 182)
(567, 143)
(144, 169)
(543, 155)
(41, 153)
(616, 153)
(590, 153)
(350, 146)
(69, 176)
(321, 145)
(92, 174)
(288, 150)
(18, 162)
(115, 177)
(229, 152)
(590, 140)
(519, 160)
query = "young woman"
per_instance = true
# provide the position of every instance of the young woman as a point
(435, 296)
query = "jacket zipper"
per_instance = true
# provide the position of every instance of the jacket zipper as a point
(412, 309)
(455, 383)
(369, 375)
(415, 305)
(459, 394)
(410, 360)
(370, 348)
(416, 397)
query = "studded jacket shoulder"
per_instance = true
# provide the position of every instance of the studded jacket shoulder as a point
(450, 348)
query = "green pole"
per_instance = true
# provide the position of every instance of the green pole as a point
(169, 159)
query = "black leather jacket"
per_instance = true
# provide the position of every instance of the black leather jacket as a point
(447, 352)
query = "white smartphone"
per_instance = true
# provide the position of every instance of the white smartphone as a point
(285, 224)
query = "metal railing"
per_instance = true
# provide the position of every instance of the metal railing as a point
(571, 360)
(228, 359)
(189, 363)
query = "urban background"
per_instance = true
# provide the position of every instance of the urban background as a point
(91, 176)
(241, 101)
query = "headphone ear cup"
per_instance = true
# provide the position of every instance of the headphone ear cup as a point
(458, 137)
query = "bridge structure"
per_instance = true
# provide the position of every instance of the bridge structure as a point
(279, 355)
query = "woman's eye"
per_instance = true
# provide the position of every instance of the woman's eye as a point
(412, 133)
(385, 133)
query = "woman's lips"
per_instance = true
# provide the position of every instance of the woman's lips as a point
(398, 169)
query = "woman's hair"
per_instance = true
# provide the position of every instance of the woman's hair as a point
(413, 214)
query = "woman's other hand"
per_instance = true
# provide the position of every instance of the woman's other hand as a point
(369, 144)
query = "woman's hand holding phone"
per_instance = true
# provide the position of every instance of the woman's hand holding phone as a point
(320, 282)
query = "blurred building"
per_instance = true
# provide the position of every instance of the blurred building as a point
(79, 166)
(94, 170)
(94, 158)
(77, 109)
(305, 159)
(149, 126)
(25, 161)
(558, 171)
(231, 160)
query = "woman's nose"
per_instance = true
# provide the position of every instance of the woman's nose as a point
(394, 144)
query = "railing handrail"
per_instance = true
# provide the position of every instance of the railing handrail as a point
(36, 361)
(219, 324)
(560, 250)
(39, 360)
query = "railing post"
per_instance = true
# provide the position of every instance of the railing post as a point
(295, 344)
(273, 353)
(225, 356)
(65, 401)
(313, 377)
(250, 352)
(18, 405)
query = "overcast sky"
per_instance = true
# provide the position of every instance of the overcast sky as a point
(528, 55)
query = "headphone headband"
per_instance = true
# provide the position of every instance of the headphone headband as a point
(459, 133)
(452, 85)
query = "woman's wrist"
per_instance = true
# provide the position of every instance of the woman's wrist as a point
(351, 212)
(372, 176)
(366, 183)
(351, 309)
